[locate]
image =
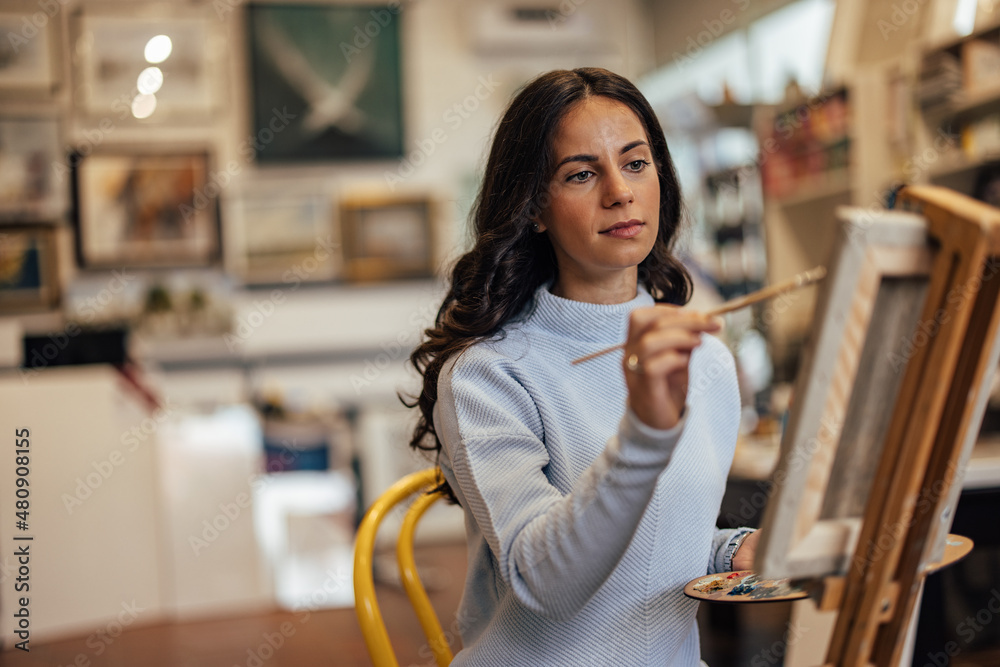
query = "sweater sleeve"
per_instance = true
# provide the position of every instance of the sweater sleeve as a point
(554, 550)
(718, 560)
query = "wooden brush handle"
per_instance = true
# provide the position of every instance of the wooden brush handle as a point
(800, 280)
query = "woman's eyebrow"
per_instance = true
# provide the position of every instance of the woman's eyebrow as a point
(586, 157)
(627, 147)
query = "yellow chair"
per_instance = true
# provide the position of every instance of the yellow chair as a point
(365, 605)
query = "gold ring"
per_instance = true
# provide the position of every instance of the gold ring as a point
(633, 363)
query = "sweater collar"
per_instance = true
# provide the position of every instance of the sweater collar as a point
(590, 322)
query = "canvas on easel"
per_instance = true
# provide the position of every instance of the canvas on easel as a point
(851, 370)
(934, 426)
(908, 462)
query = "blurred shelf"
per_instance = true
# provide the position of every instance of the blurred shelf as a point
(830, 184)
(968, 106)
(215, 352)
(329, 326)
(955, 43)
(957, 162)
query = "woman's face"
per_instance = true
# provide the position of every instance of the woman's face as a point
(604, 200)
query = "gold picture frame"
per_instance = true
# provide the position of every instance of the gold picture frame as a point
(388, 237)
(29, 268)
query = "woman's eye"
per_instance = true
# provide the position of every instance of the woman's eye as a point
(580, 176)
(638, 165)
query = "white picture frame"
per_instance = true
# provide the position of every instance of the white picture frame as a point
(29, 53)
(285, 238)
(123, 75)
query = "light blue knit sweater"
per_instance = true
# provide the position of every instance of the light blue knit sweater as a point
(583, 524)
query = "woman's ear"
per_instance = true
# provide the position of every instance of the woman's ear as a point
(538, 226)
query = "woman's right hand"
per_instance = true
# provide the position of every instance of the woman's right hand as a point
(657, 352)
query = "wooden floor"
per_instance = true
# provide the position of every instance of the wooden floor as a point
(328, 638)
(331, 638)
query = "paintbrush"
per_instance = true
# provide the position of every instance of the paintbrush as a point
(801, 280)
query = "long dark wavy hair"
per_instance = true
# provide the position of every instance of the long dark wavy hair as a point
(494, 281)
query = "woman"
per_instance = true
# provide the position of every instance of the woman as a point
(590, 491)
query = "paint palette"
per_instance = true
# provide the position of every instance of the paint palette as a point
(747, 586)
(742, 586)
(956, 547)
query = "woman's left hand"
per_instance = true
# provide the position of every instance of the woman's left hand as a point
(743, 560)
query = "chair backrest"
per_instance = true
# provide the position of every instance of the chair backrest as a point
(366, 605)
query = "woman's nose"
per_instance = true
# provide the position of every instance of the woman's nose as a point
(617, 190)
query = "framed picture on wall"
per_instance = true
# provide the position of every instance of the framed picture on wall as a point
(387, 237)
(31, 188)
(284, 238)
(163, 64)
(320, 91)
(29, 273)
(28, 51)
(145, 210)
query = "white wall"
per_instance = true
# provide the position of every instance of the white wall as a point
(678, 26)
(93, 507)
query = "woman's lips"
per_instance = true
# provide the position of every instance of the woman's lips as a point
(624, 230)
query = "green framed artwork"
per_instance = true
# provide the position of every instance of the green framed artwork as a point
(326, 82)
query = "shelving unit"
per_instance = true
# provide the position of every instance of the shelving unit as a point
(973, 105)
(812, 147)
(911, 113)
(734, 218)
(807, 155)
(952, 165)
(958, 92)
(728, 247)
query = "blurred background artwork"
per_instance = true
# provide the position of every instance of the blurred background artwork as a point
(28, 272)
(29, 188)
(135, 65)
(26, 65)
(387, 237)
(145, 210)
(331, 78)
(280, 231)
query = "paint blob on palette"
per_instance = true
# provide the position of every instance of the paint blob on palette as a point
(742, 586)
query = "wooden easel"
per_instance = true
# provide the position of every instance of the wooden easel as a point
(934, 424)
